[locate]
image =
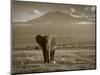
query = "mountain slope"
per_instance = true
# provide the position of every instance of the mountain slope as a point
(55, 17)
(55, 23)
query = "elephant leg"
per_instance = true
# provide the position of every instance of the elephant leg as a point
(44, 55)
(47, 56)
(52, 52)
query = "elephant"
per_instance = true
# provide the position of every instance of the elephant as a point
(47, 43)
(42, 41)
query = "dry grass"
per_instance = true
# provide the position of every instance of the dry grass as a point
(26, 61)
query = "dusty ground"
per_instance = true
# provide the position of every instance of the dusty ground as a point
(27, 61)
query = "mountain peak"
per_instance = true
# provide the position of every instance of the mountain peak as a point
(55, 16)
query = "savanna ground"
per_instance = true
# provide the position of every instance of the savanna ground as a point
(72, 58)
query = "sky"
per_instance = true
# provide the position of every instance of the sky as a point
(29, 11)
(24, 11)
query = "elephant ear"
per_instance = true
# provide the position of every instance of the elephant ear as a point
(40, 40)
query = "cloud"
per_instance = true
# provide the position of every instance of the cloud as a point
(72, 10)
(24, 20)
(36, 11)
(76, 14)
(93, 9)
(82, 22)
(79, 15)
(87, 12)
(86, 9)
(33, 14)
